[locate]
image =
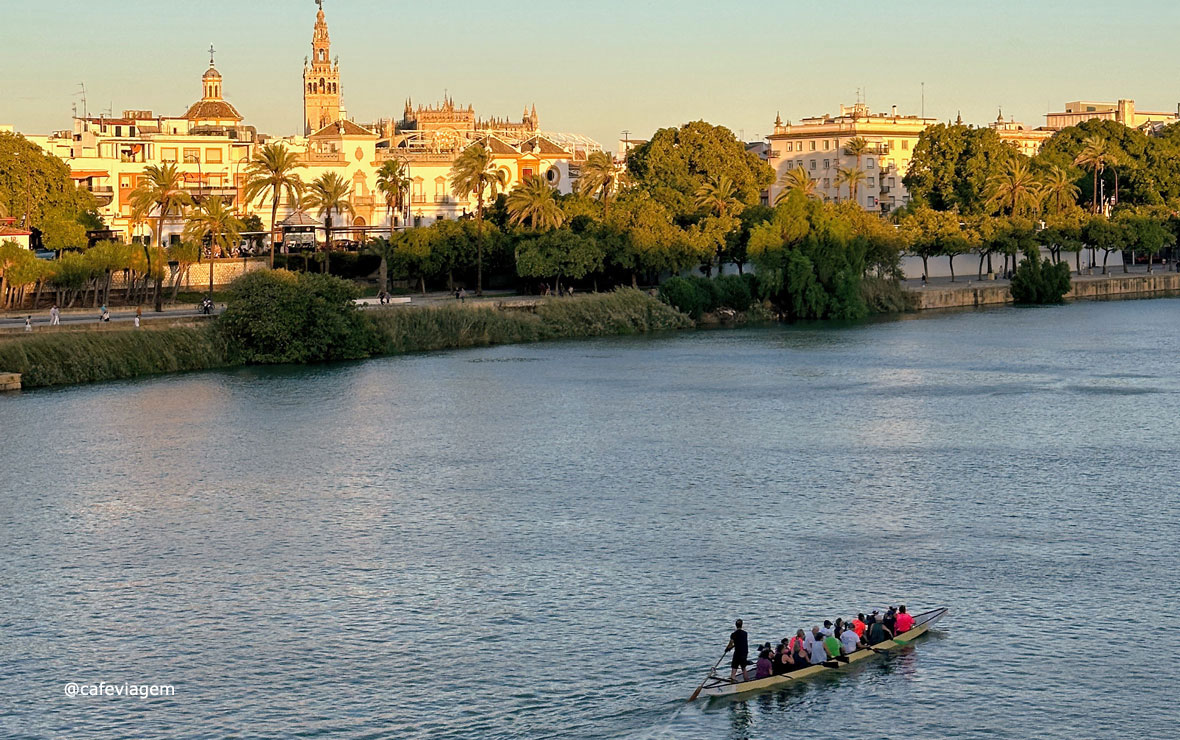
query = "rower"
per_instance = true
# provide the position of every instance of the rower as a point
(903, 622)
(850, 641)
(832, 647)
(877, 632)
(818, 653)
(739, 643)
(858, 625)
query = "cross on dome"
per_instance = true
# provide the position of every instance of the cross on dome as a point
(211, 52)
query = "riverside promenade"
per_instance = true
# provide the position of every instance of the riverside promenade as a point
(967, 291)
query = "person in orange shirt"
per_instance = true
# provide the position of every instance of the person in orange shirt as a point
(858, 625)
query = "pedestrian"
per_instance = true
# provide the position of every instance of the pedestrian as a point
(462, 295)
(137, 321)
(54, 316)
(28, 323)
(138, 314)
(106, 314)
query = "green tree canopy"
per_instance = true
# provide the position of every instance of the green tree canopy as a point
(952, 164)
(676, 162)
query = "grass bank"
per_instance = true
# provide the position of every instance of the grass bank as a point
(84, 357)
(64, 358)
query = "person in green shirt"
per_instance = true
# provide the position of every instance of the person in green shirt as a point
(832, 647)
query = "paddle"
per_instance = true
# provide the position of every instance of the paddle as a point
(711, 670)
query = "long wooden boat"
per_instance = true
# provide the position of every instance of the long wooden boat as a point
(718, 685)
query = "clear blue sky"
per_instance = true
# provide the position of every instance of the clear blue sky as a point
(596, 66)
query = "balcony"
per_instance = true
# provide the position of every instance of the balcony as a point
(325, 157)
(443, 199)
(418, 198)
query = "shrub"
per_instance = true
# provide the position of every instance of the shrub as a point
(733, 291)
(279, 316)
(1038, 281)
(684, 295)
(886, 295)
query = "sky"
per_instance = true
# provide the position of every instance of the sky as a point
(595, 67)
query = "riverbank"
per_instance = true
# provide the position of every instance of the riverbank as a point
(973, 293)
(70, 357)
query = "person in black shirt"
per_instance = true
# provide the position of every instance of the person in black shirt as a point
(739, 643)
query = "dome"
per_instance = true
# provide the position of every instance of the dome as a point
(211, 74)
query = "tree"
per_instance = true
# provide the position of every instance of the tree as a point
(215, 223)
(599, 178)
(60, 229)
(793, 180)
(558, 254)
(1059, 191)
(329, 193)
(185, 254)
(474, 172)
(851, 176)
(393, 182)
(675, 162)
(533, 201)
(35, 186)
(414, 255)
(717, 197)
(856, 147)
(1108, 235)
(160, 190)
(934, 233)
(1015, 190)
(1039, 281)
(1148, 235)
(1096, 156)
(951, 165)
(383, 248)
(273, 172)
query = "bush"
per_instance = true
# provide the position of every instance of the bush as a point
(733, 291)
(886, 295)
(348, 265)
(1038, 281)
(279, 316)
(685, 296)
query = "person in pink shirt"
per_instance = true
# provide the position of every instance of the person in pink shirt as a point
(904, 622)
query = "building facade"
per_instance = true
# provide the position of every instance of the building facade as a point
(212, 147)
(1027, 141)
(817, 144)
(1123, 112)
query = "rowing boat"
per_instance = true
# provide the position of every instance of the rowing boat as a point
(716, 686)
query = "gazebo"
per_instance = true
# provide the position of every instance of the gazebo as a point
(299, 231)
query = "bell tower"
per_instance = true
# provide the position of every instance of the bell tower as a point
(321, 79)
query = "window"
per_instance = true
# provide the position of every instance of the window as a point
(124, 181)
(192, 156)
(892, 182)
(813, 164)
(892, 163)
(827, 164)
(872, 182)
(893, 143)
(826, 144)
(827, 183)
(905, 144)
(869, 163)
(213, 156)
(168, 154)
(812, 146)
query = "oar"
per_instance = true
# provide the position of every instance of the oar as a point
(711, 670)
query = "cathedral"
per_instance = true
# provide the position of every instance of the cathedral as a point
(436, 127)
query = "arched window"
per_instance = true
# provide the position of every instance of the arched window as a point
(321, 84)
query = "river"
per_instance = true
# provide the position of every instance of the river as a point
(552, 540)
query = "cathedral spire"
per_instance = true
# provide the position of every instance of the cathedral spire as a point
(321, 79)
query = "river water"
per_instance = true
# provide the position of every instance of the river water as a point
(551, 541)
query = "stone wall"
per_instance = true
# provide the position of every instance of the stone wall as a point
(1114, 286)
(225, 271)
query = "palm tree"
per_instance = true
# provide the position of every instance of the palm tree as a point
(599, 176)
(857, 147)
(796, 179)
(216, 223)
(718, 196)
(161, 190)
(1095, 156)
(1015, 190)
(853, 176)
(383, 248)
(213, 222)
(533, 201)
(474, 172)
(329, 193)
(1059, 191)
(393, 180)
(272, 171)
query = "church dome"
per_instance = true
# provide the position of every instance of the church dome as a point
(211, 74)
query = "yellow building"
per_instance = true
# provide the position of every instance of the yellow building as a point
(1122, 112)
(817, 145)
(1027, 141)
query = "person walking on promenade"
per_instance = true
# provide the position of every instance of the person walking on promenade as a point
(28, 323)
(54, 316)
(462, 295)
(105, 315)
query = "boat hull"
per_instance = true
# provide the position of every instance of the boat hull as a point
(718, 686)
